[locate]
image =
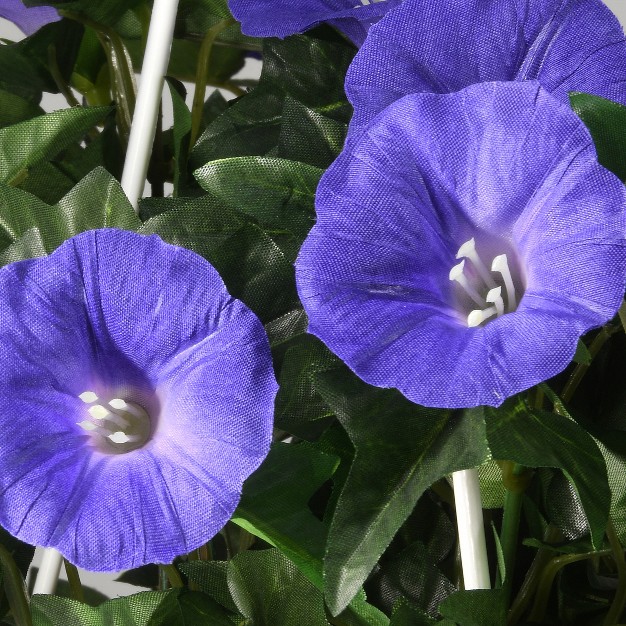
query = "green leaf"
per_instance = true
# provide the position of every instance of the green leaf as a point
(97, 201)
(407, 615)
(28, 246)
(582, 355)
(181, 132)
(271, 591)
(274, 504)
(176, 607)
(19, 75)
(400, 450)
(309, 136)
(478, 607)
(308, 70)
(298, 399)
(537, 438)
(15, 109)
(14, 588)
(28, 143)
(279, 194)
(200, 224)
(211, 578)
(606, 121)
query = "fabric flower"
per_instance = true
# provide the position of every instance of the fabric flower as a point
(269, 18)
(28, 19)
(464, 242)
(136, 397)
(434, 46)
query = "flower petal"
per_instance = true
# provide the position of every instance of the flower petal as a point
(29, 19)
(505, 163)
(127, 315)
(271, 18)
(427, 45)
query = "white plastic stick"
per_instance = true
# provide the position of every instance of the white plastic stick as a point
(469, 519)
(49, 570)
(153, 71)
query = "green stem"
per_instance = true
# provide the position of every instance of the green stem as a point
(173, 575)
(531, 580)
(622, 315)
(619, 601)
(76, 588)
(204, 56)
(581, 369)
(515, 478)
(121, 68)
(55, 72)
(547, 578)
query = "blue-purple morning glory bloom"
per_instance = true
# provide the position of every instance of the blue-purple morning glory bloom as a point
(28, 19)
(272, 18)
(435, 46)
(464, 242)
(136, 397)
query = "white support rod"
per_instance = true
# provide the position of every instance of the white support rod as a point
(153, 71)
(49, 570)
(469, 519)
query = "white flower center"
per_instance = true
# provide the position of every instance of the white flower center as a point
(480, 285)
(117, 426)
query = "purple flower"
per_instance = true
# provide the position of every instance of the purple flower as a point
(435, 46)
(28, 19)
(136, 397)
(464, 243)
(271, 18)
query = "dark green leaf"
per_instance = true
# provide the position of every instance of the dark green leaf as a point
(279, 194)
(14, 588)
(181, 132)
(307, 70)
(176, 607)
(478, 607)
(15, 109)
(401, 449)
(582, 355)
(97, 201)
(407, 615)
(211, 578)
(536, 438)
(274, 504)
(19, 75)
(606, 120)
(309, 136)
(28, 143)
(271, 591)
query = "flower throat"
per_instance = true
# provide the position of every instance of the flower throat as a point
(116, 426)
(478, 283)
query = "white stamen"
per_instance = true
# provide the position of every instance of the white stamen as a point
(98, 412)
(468, 250)
(456, 273)
(477, 317)
(121, 437)
(495, 297)
(501, 264)
(128, 407)
(88, 397)
(85, 425)
(102, 413)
